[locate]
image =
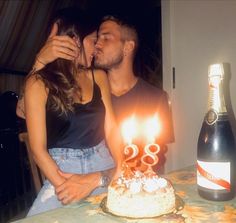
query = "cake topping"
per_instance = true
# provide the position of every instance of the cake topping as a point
(141, 182)
(150, 185)
(135, 187)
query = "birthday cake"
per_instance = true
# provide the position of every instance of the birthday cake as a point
(141, 196)
(140, 193)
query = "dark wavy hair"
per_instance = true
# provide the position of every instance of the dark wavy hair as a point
(59, 76)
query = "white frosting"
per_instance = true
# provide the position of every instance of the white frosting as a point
(151, 185)
(141, 196)
(135, 187)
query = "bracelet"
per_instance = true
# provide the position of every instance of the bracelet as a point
(104, 180)
(37, 59)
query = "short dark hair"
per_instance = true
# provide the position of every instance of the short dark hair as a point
(129, 30)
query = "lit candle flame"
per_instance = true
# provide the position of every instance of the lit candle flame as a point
(129, 129)
(152, 128)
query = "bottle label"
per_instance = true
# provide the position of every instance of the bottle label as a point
(213, 175)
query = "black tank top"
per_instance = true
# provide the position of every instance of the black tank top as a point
(80, 129)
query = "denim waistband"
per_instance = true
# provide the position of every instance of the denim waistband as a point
(72, 152)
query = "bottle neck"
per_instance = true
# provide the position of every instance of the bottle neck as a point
(216, 99)
(216, 102)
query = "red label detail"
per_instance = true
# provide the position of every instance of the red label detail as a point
(213, 179)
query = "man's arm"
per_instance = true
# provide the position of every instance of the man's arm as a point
(167, 134)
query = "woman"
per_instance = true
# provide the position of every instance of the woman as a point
(67, 109)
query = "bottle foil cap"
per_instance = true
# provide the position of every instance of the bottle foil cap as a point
(215, 70)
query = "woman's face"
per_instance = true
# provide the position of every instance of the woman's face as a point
(89, 49)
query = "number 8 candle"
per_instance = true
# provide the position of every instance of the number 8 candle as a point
(151, 130)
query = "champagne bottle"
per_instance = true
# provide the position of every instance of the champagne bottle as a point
(216, 154)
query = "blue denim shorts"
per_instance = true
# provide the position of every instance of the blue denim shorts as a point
(81, 161)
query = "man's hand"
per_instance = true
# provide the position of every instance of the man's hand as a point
(76, 186)
(56, 47)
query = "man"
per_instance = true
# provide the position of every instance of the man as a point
(116, 47)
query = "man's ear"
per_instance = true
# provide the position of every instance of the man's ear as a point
(129, 46)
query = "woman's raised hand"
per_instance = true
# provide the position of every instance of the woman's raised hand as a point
(56, 47)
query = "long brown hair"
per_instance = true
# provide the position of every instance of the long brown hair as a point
(59, 76)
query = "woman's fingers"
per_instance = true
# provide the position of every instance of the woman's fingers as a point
(63, 41)
(62, 51)
(58, 47)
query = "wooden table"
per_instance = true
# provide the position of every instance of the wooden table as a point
(195, 209)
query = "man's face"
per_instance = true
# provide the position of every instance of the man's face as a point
(109, 46)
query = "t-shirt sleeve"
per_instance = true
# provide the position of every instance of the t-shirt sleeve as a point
(165, 116)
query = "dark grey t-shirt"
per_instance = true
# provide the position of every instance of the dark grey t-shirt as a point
(144, 100)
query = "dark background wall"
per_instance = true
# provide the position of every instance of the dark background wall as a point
(24, 28)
